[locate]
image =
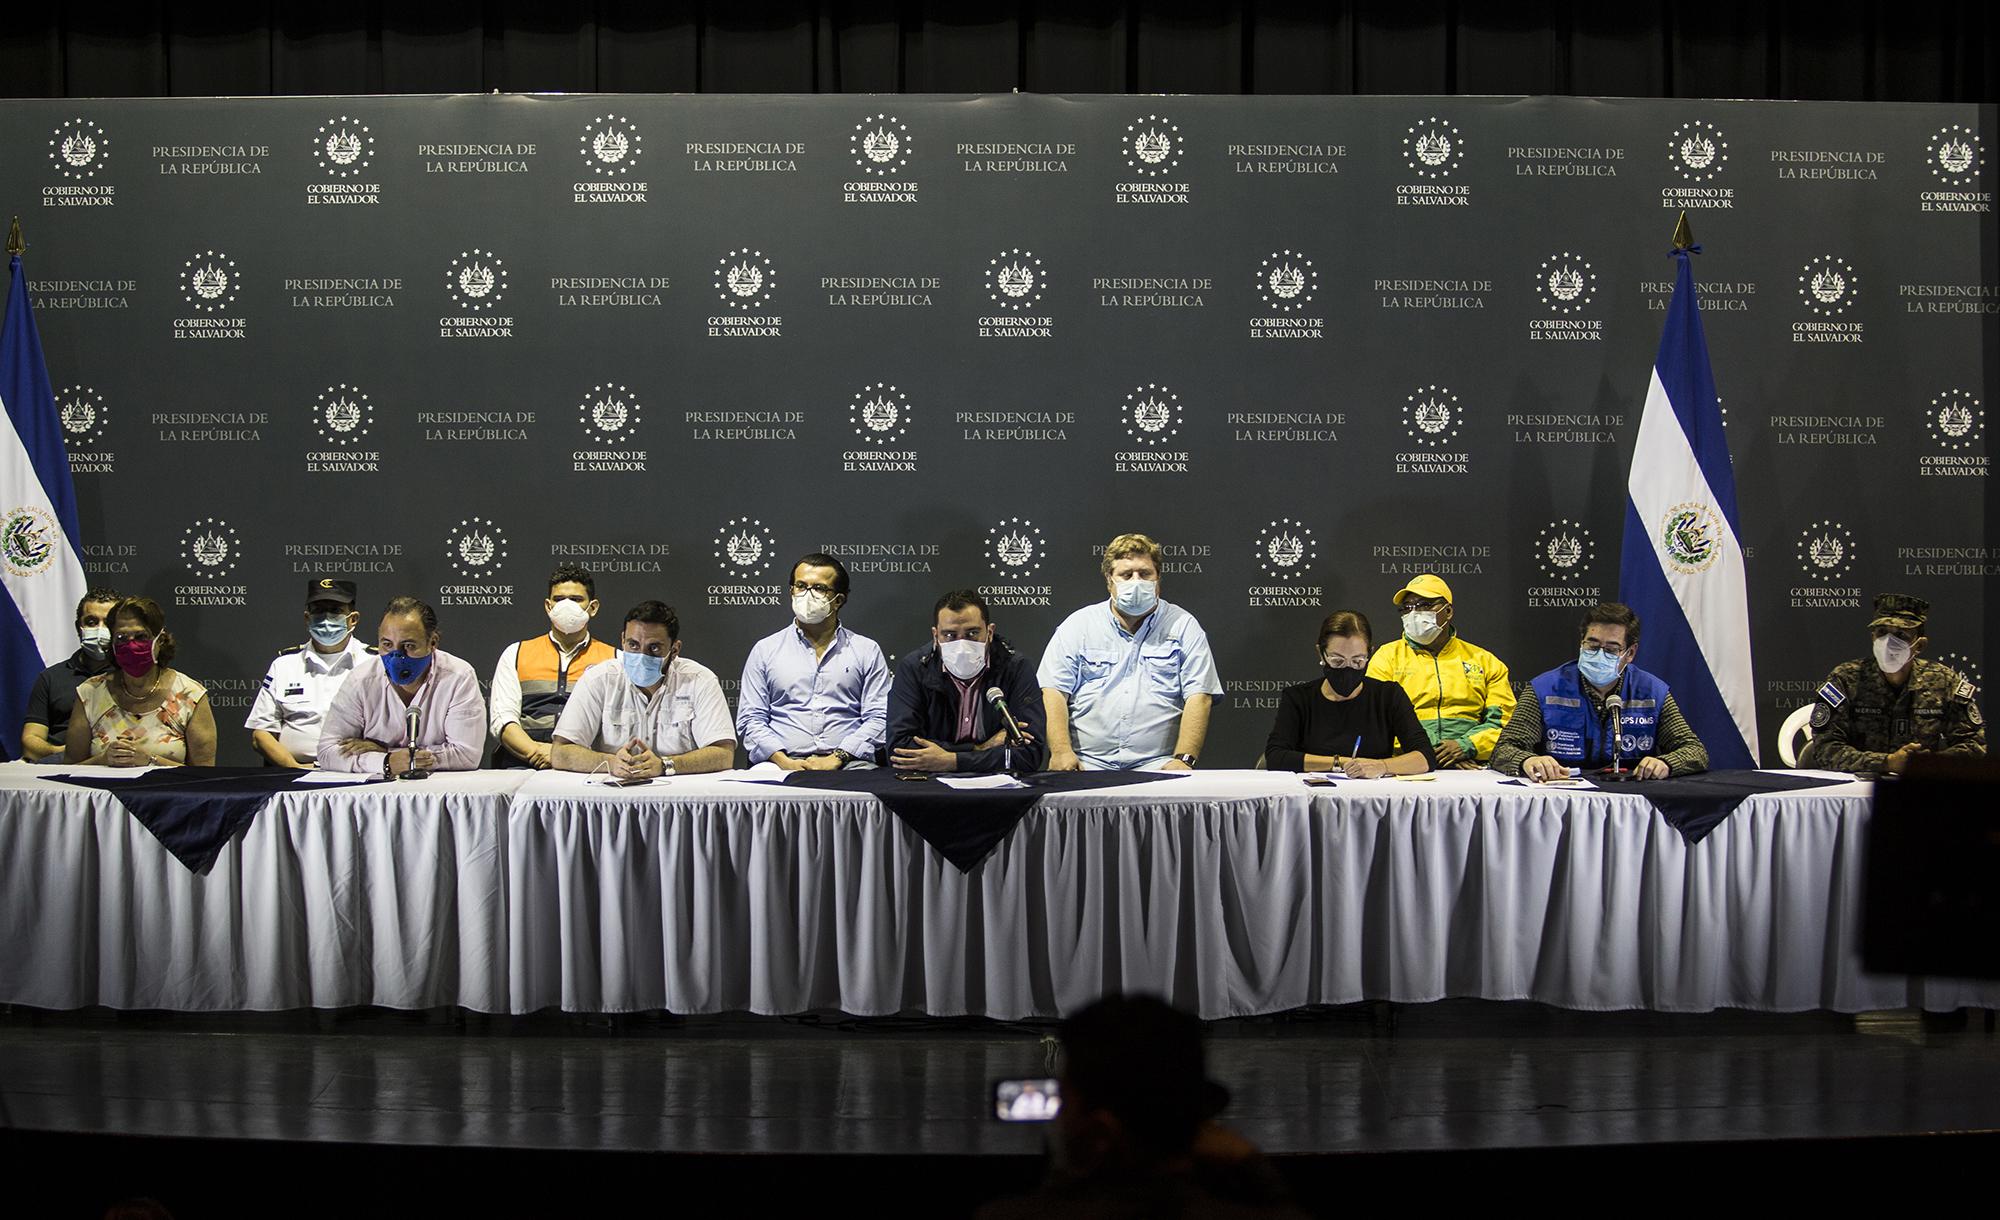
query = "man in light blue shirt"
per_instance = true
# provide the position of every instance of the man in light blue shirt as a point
(815, 696)
(1128, 683)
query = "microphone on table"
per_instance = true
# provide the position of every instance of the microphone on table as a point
(411, 716)
(998, 698)
(1616, 706)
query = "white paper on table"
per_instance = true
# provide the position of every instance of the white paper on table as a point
(997, 780)
(336, 777)
(1564, 783)
(605, 779)
(762, 773)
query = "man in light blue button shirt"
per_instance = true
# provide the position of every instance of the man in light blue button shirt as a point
(1128, 682)
(815, 696)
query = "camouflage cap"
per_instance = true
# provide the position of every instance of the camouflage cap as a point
(1901, 611)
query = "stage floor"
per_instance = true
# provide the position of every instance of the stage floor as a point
(1459, 1075)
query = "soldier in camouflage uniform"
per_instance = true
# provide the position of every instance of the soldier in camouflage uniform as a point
(1874, 713)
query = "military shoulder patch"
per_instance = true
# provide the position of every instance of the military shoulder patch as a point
(1965, 690)
(1822, 715)
(1832, 695)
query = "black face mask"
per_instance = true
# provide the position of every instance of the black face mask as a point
(1343, 681)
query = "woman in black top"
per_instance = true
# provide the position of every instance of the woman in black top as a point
(1345, 720)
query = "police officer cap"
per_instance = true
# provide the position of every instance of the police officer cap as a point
(1901, 611)
(324, 590)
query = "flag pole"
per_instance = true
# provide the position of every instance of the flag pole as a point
(1683, 236)
(15, 246)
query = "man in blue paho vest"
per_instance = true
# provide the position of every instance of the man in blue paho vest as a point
(1563, 720)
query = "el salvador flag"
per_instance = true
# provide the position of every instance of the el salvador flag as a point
(41, 546)
(1681, 568)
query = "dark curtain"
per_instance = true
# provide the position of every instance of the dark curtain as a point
(1857, 50)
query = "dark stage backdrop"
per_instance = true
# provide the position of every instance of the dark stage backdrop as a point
(1848, 50)
(440, 344)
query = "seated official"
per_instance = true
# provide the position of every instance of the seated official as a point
(290, 707)
(142, 714)
(45, 728)
(652, 713)
(1128, 682)
(367, 728)
(1347, 721)
(534, 677)
(1874, 713)
(939, 717)
(1460, 690)
(815, 696)
(1562, 721)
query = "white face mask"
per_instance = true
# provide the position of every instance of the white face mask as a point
(963, 659)
(95, 640)
(569, 617)
(1136, 596)
(1421, 625)
(1891, 654)
(811, 607)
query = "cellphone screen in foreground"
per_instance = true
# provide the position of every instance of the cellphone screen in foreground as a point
(1026, 1101)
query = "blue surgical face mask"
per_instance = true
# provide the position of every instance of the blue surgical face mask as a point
(404, 670)
(642, 670)
(1137, 596)
(328, 629)
(1597, 668)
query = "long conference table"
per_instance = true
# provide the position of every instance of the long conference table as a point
(1229, 892)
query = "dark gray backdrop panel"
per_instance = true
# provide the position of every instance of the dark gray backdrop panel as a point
(1832, 440)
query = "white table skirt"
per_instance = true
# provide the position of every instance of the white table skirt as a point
(1230, 892)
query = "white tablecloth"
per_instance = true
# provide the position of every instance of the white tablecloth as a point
(1230, 892)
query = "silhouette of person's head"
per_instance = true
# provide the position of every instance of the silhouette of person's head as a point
(1135, 1085)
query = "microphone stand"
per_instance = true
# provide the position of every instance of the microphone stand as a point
(410, 718)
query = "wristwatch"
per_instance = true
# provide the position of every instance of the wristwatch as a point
(1185, 758)
(843, 756)
(387, 757)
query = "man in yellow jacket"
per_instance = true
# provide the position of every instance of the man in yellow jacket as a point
(1460, 690)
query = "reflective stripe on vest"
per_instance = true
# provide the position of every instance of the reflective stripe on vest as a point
(545, 684)
(1574, 733)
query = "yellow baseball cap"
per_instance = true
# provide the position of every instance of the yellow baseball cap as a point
(1425, 587)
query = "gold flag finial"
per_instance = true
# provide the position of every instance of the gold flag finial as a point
(14, 243)
(1683, 236)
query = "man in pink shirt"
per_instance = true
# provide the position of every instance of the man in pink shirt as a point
(369, 717)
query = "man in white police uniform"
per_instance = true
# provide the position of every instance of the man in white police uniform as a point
(653, 713)
(285, 718)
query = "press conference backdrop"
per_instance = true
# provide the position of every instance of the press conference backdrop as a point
(1313, 345)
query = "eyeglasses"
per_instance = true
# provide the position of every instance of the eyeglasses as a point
(1336, 662)
(800, 587)
(1617, 650)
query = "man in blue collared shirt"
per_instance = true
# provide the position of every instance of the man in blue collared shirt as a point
(815, 696)
(1128, 683)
